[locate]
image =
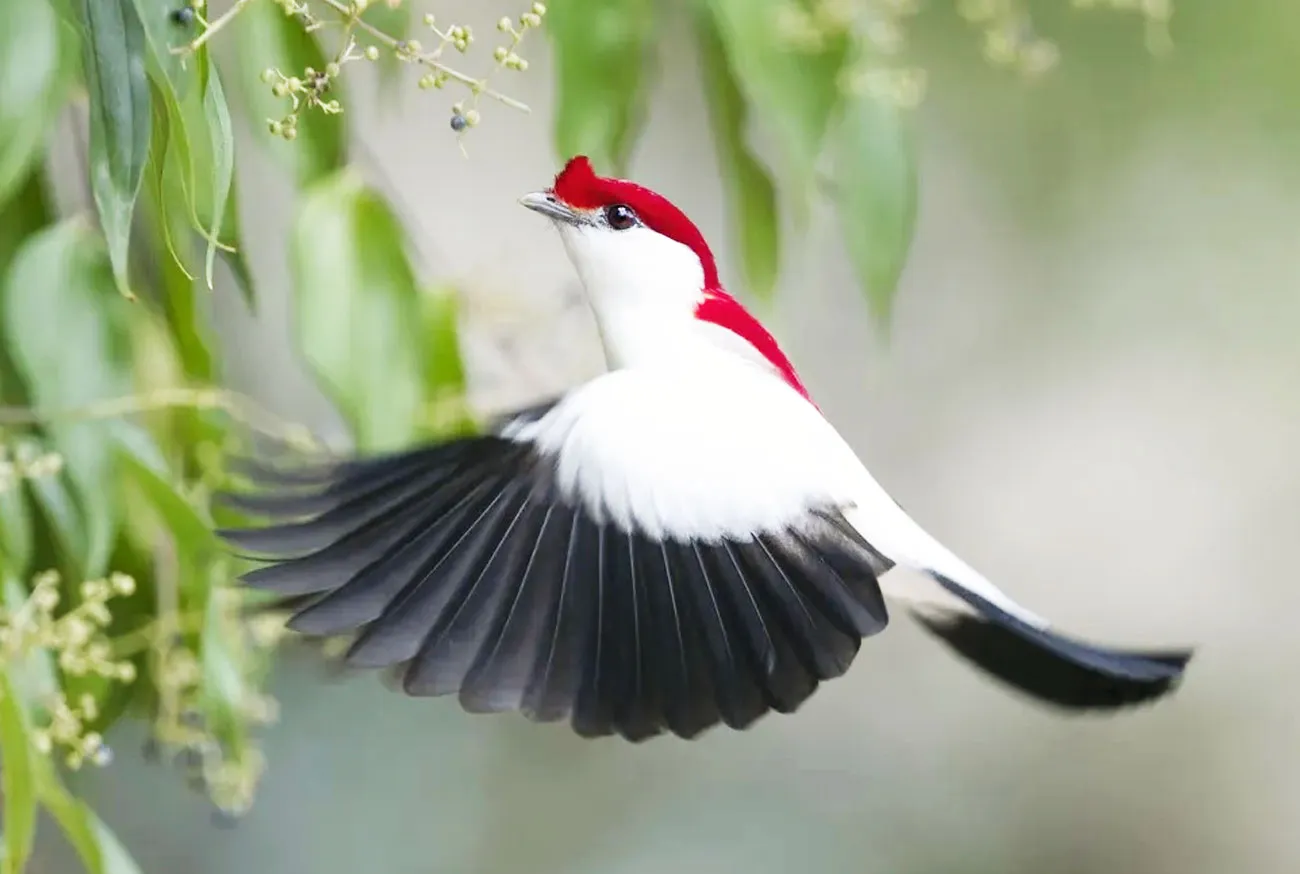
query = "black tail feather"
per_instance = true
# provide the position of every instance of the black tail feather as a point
(1051, 667)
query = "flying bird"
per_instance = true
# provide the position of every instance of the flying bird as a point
(682, 541)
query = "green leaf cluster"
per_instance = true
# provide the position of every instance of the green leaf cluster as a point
(846, 142)
(113, 420)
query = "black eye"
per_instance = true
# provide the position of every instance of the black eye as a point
(620, 216)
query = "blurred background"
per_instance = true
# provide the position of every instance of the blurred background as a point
(1090, 389)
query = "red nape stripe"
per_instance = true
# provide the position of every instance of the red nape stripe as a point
(579, 187)
(723, 310)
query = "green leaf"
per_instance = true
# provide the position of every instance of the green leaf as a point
(875, 193)
(793, 89)
(26, 213)
(35, 72)
(114, 61)
(195, 540)
(222, 142)
(94, 842)
(17, 778)
(266, 37)
(446, 404)
(358, 309)
(68, 334)
(604, 53)
(751, 196)
(15, 529)
(181, 72)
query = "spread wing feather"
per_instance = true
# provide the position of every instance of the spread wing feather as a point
(466, 569)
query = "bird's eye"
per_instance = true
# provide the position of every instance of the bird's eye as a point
(620, 216)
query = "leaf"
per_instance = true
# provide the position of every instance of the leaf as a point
(795, 90)
(603, 54)
(222, 142)
(114, 61)
(67, 331)
(875, 194)
(446, 404)
(35, 73)
(15, 529)
(358, 309)
(98, 848)
(164, 33)
(26, 213)
(194, 537)
(17, 778)
(751, 196)
(266, 37)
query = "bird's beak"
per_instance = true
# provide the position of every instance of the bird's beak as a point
(548, 205)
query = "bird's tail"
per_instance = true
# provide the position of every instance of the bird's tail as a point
(984, 626)
(1045, 664)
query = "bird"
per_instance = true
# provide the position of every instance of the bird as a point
(681, 542)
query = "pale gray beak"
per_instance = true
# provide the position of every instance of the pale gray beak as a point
(547, 204)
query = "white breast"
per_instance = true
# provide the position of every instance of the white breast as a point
(683, 454)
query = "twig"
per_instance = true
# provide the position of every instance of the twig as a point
(428, 59)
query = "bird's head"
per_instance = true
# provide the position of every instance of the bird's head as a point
(646, 266)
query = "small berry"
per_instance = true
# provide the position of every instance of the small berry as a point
(539, 9)
(471, 117)
(531, 19)
(413, 46)
(500, 54)
(429, 20)
(503, 25)
(279, 89)
(458, 123)
(274, 127)
(291, 133)
(427, 81)
(331, 69)
(183, 16)
(372, 53)
(268, 75)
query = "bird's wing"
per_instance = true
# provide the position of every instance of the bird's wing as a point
(564, 567)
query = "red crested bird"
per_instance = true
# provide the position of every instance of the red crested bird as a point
(683, 540)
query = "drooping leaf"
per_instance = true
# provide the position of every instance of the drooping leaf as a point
(222, 141)
(603, 59)
(35, 72)
(751, 196)
(17, 778)
(875, 192)
(234, 256)
(170, 237)
(193, 534)
(792, 88)
(358, 310)
(98, 848)
(67, 331)
(26, 213)
(113, 52)
(446, 404)
(268, 38)
(165, 31)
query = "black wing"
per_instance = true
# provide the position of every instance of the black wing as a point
(463, 567)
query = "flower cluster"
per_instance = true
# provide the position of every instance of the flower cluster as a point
(77, 641)
(26, 462)
(362, 40)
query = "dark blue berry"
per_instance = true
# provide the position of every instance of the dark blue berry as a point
(458, 123)
(184, 16)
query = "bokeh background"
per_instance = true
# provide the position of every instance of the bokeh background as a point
(1090, 389)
